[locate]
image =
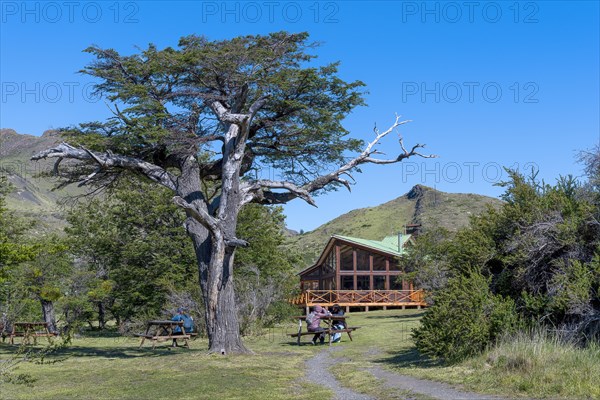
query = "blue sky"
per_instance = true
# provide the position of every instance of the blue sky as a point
(487, 84)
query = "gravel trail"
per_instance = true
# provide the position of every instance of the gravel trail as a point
(437, 390)
(318, 372)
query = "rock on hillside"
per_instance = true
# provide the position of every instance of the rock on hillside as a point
(421, 205)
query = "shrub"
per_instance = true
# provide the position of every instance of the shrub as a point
(464, 319)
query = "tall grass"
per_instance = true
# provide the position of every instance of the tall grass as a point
(540, 364)
(531, 364)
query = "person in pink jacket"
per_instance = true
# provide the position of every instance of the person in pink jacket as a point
(313, 321)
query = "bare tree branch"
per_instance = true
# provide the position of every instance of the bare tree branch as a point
(109, 160)
(225, 115)
(254, 188)
(258, 104)
(90, 177)
(198, 214)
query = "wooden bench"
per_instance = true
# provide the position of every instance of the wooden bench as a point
(163, 331)
(327, 331)
(28, 330)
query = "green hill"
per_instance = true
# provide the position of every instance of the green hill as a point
(34, 195)
(421, 205)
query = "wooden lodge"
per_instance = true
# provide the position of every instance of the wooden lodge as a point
(355, 272)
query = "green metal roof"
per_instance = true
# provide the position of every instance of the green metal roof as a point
(389, 244)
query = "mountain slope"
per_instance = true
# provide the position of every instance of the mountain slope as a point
(422, 205)
(33, 196)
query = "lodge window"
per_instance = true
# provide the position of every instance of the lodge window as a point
(346, 258)
(394, 266)
(310, 285)
(378, 262)
(395, 283)
(378, 282)
(329, 265)
(328, 284)
(363, 282)
(347, 282)
(362, 260)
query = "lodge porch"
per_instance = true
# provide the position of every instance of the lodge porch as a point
(361, 298)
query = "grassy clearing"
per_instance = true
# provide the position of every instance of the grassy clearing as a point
(114, 368)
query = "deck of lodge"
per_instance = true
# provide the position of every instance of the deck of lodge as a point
(361, 298)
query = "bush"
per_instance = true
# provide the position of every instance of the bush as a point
(464, 319)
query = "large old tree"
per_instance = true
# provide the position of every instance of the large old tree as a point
(207, 120)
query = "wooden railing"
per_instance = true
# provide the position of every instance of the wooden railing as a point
(383, 297)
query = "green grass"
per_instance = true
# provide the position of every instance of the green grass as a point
(114, 368)
(532, 365)
(544, 366)
(109, 367)
(525, 365)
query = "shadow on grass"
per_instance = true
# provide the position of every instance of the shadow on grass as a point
(410, 358)
(121, 352)
(407, 316)
(295, 343)
(104, 333)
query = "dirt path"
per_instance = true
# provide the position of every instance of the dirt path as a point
(318, 372)
(437, 390)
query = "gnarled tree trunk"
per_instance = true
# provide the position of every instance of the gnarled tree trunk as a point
(48, 312)
(215, 268)
(101, 316)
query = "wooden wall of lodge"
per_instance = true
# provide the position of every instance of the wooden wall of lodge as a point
(338, 273)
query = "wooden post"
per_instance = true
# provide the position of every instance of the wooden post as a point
(404, 307)
(384, 308)
(354, 268)
(366, 308)
(347, 309)
(337, 268)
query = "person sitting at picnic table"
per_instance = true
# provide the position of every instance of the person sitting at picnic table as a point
(313, 323)
(188, 324)
(337, 311)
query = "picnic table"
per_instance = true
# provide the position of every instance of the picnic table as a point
(28, 330)
(329, 330)
(161, 330)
